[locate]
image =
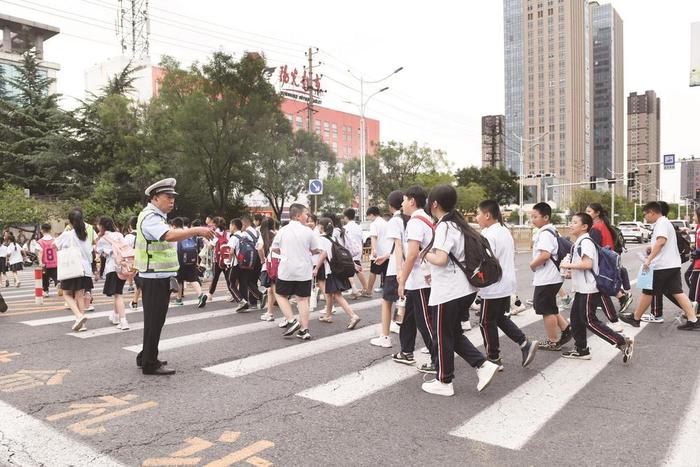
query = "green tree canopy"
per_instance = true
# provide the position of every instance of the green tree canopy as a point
(498, 183)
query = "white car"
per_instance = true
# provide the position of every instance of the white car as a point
(634, 231)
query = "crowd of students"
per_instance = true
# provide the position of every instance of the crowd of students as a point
(432, 267)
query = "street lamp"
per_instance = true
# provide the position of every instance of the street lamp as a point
(363, 139)
(522, 157)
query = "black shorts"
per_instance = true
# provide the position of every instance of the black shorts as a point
(694, 285)
(378, 268)
(3, 265)
(390, 292)
(187, 274)
(16, 267)
(288, 288)
(113, 285)
(544, 300)
(666, 281)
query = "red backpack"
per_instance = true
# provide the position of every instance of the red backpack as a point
(222, 250)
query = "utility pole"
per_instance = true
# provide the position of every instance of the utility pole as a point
(310, 91)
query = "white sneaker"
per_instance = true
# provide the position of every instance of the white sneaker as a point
(617, 327)
(475, 306)
(466, 325)
(267, 317)
(485, 374)
(424, 350)
(79, 324)
(113, 318)
(284, 323)
(230, 298)
(381, 341)
(123, 325)
(438, 387)
(378, 290)
(90, 308)
(395, 328)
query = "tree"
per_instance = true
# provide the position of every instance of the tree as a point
(18, 208)
(500, 184)
(337, 194)
(580, 199)
(469, 197)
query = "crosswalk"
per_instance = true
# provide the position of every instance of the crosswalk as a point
(510, 421)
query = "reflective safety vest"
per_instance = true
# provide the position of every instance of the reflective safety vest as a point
(154, 255)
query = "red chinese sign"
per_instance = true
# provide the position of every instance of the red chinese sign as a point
(303, 82)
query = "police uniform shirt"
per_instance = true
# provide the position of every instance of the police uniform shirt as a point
(154, 228)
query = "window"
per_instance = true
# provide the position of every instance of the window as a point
(326, 131)
(300, 122)
(335, 132)
(317, 124)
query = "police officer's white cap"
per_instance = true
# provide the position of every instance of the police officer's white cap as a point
(167, 185)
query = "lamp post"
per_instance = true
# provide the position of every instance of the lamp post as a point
(363, 139)
(522, 157)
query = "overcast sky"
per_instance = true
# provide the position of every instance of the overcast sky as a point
(452, 54)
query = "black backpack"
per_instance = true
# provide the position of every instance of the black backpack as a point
(618, 240)
(480, 264)
(342, 264)
(683, 245)
(564, 247)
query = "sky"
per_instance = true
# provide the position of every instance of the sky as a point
(451, 54)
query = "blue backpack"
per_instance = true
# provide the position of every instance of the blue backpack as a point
(609, 278)
(187, 252)
(248, 256)
(564, 247)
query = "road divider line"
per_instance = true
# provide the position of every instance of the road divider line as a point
(359, 384)
(515, 418)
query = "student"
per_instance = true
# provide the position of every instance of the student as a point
(130, 239)
(354, 238)
(114, 286)
(495, 301)
(15, 258)
(234, 272)
(264, 247)
(665, 260)
(187, 273)
(3, 260)
(657, 305)
(48, 257)
(547, 279)
(694, 280)
(381, 246)
(334, 286)
(295, 243)
(74, 289)
(248, 281)
(448, 290)
(602, 234)
(318, 285)
(413, 283)
(395, 233)
(581, 265)
(220, 239)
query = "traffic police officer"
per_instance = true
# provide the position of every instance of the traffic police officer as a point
(156, 261)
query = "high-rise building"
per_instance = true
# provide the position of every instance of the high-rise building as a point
(644, 145)
(690, 180)
(18, 36)
(607, 94)
(547, 82)
(492, 141)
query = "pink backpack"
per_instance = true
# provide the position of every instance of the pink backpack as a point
(124, 256)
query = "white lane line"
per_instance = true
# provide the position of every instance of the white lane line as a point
(29, 442)
(216, 334)
(273, 358)
(357, 385)
(99, 314)
(515, 418)
(139, 325)
(685, 449)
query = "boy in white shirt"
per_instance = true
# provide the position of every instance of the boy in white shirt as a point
(582, 265)
(354, 233)
(547, 279)
(381, 246)
(495, 299)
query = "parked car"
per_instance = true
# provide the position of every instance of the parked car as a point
(634, 231)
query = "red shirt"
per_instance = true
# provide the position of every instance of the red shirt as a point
(696, 263)
(607, 240)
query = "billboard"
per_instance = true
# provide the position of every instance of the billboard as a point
(695, 54)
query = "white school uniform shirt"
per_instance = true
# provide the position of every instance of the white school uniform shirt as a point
(295, 242)
(130, 239)
(378, 229)
(234, 241)
(105, 249)
(583, 281)
(417, 230)
(448, 282)
(354, 232)
(547, 273)
(394, 231)
(503, 247)
(326, 245)
(14, 251)
(3, 250)
(260, 244)
(68, 239)
(669, 257)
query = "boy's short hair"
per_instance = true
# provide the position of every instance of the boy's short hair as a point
(544, 209)
(418, 194)
(373, 211)
(653, 206)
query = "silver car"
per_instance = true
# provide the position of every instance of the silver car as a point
(634, 231)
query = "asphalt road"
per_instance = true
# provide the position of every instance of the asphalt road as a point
(243, 395)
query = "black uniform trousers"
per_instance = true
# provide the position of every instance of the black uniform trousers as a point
(155, 294)
(248, 284)
(493, 318)
(418, 316)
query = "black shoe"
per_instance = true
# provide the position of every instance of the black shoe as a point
(689, 326)
(629, 319)
(405, 358)
(293, 327)
(583, 354)
(242, 307)
(159, 371)
(428, 368)
(566, 336)
(263, 302)
(160, 363)
(202, 301)
(625, 302)
(303, 334)
(529, 351)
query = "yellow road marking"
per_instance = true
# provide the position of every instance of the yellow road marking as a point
(241, 454)
(195, 445)
(229, 436)
(171, 461)
(82, 427)
(258, 462)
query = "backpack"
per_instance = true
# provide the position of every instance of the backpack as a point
(342, 265)
(618, 240)
(247, 253)
(352, 245)
(222, 251)
(683, 245)
(187, 252)
(608, 281)
(124, 256)
(564, 247)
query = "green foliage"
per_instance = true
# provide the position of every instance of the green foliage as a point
(17, 208)
(469, 197)
(337, 194)
(498, 183)
(624, 208)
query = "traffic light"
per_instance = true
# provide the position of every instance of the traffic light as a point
(593, 183)
(697, 194)
(632, 178)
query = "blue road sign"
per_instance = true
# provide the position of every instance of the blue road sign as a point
(315, 187)
(669, 161)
